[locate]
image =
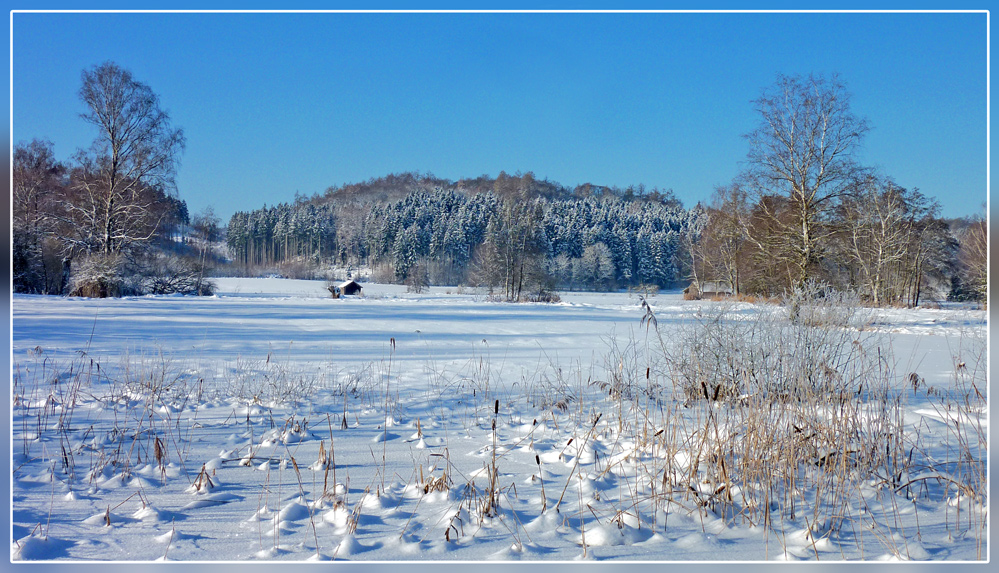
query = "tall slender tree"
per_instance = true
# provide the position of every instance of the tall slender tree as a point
(130, 165)
(723, 250)
(37, 187)
(803, 152)
(974, 257)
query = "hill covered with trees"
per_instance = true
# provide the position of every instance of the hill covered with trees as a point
(518, 234)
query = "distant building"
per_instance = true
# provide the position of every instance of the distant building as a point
(716, 288)
(349, 288)
(708, 289)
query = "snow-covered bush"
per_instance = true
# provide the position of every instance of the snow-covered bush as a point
(817, 304)
(100, 276)
(816, 401)
(115, 275)
(819, 345)
(171, 274)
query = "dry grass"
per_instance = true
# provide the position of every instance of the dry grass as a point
(787, 416)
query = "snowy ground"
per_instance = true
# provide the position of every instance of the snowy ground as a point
(270, 422)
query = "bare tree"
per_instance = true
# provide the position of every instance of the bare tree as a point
(205, 227)
(694, 255)
(37, 187)
(514, 250)
(36, 175)
(723, 251)
(802, 152)
(130, 165)
(974, 256)
(886, 233)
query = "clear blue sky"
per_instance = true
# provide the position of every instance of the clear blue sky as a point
(274, 104)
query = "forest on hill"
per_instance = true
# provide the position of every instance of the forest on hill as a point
(526, 237)
(513, 232)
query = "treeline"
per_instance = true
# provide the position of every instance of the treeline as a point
(513, 233)
(525, 238)
(61, 243)
(108, 222)
(882, 241)
(805, 210)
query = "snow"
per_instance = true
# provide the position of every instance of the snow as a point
(442, 426)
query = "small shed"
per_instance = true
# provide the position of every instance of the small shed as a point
(708, 289)
(349, 288)
(716, 288)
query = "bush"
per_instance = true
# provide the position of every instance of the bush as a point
(815, 304)
(115, 275)
(299, 269)
(786, 404)
(171, 274)
(647, 290)
(99, 276)
(817, 346)
(545, 296)
(383, 274)
(418, 278)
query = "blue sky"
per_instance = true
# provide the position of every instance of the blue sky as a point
(274, 104)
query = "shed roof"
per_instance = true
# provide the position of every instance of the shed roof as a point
(350, 287)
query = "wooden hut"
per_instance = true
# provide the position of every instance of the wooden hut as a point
(350, 288)
(708, 289)
(716, 288)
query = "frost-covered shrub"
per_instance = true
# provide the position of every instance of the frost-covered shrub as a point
(816, 304)
(171, 274)
(815, 344)
(299, 268)
(546, 296)
(383, 273)
(787, 403)
(115, 275)
(100, 276)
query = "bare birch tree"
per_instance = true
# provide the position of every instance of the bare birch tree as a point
(888, 235)
(131, 163)
(974, 256)
(802, 152)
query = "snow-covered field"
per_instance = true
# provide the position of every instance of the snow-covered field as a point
(271, 422)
